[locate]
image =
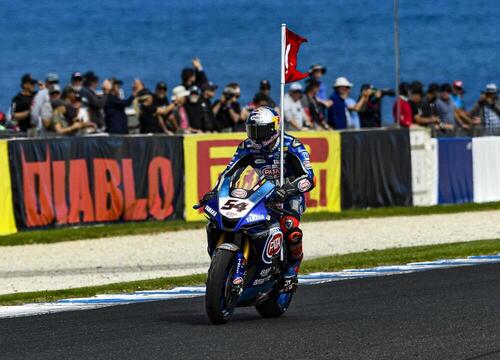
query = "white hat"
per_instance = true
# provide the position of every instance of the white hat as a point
(342, 81)
(295, 86)
(491, 88)
(179, 91)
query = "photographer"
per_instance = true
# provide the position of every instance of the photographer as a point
(370, 114)
(486, 111)
(227, 109)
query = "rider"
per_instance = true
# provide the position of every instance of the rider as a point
(262, 151)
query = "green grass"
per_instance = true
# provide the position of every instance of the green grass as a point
(151, 227)
(331, 263)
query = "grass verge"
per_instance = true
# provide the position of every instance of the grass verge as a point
(152, 227)
(391, 256)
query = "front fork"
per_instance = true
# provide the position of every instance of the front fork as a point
(241, 267)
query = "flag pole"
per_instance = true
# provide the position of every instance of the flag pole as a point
(282, 109)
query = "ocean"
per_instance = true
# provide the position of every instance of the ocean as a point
(239, 40)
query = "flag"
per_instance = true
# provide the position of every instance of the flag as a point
(292, 46)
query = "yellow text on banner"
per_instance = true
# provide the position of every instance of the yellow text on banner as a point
(7, 221)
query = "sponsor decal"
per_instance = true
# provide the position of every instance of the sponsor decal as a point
(304, 185)
(238, 280)
(271, 171)
(255, 217)
(305, 155)
(307, 164)
(296, 143)
(211, 211)
(265, 272)
(228, 246)
(260, 161)
(262, 281)
(272, 247)
(239, 193)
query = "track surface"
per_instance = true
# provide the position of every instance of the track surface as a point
(441, 314)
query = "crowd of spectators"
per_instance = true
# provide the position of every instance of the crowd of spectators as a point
(87, 105)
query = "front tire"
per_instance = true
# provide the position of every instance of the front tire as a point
(219, 301)
(275, 305)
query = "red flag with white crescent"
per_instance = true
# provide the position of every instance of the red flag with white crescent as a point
(292, 46)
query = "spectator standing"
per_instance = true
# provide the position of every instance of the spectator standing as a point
(353, 106)
(194, 75)
(446, 107)
(41, 110)
(370, 114)
(259, 100)
(150, 119)
(115, 118)
(207, 94)
(227, 110)
(316, 72)
(429, 109)
(179, 113)
(64, 120)
(337, 113)
(293, 111)
(76, 81)
(195, 110)
(416, 104)
(265, 88)
(160, 100)
(311, 105)
(405, 113)
(457, 95)
(486, 110)
(21, 103)
(95, 102)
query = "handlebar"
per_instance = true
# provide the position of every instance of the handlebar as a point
(198, 206)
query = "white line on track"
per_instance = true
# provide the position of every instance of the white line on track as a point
(99, 301)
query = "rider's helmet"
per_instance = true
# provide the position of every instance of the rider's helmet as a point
(262, 125)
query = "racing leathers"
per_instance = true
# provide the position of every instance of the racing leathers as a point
(299, 179)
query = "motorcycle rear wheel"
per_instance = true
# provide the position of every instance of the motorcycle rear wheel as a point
(275, 305)
(219, 301)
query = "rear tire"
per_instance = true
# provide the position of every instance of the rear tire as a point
(276, 305)
(219, 302)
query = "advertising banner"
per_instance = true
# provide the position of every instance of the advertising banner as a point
(7, 221)
(376, 168)
(455, 170)
(423, 167)
(206, 156)
(69, 181)
(486, 168)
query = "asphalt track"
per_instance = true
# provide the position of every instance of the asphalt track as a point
(438, 314)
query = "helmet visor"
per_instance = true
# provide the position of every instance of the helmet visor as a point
(260, 132)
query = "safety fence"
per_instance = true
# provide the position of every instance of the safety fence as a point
(57, 182)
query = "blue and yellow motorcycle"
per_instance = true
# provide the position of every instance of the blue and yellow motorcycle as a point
(249, 256)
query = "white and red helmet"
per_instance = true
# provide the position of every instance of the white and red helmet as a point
(262, 124)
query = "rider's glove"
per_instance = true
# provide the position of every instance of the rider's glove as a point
(279, 195)
(208, 196)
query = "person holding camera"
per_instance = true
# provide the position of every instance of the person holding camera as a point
(227, 109)
(486, 111)
(370, 114)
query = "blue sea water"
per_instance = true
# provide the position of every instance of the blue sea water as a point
(239, 40)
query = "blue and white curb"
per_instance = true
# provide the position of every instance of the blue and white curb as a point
(100, 301)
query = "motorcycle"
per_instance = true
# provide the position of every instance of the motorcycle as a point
(249, 257)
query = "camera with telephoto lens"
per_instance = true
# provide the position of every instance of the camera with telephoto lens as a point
(384, 92)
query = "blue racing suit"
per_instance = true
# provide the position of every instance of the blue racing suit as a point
(299, 179)
(299, 175)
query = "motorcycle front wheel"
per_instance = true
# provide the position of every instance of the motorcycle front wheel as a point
(275, 305)
(219, 300)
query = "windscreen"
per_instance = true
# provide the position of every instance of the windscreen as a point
(246, 179)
